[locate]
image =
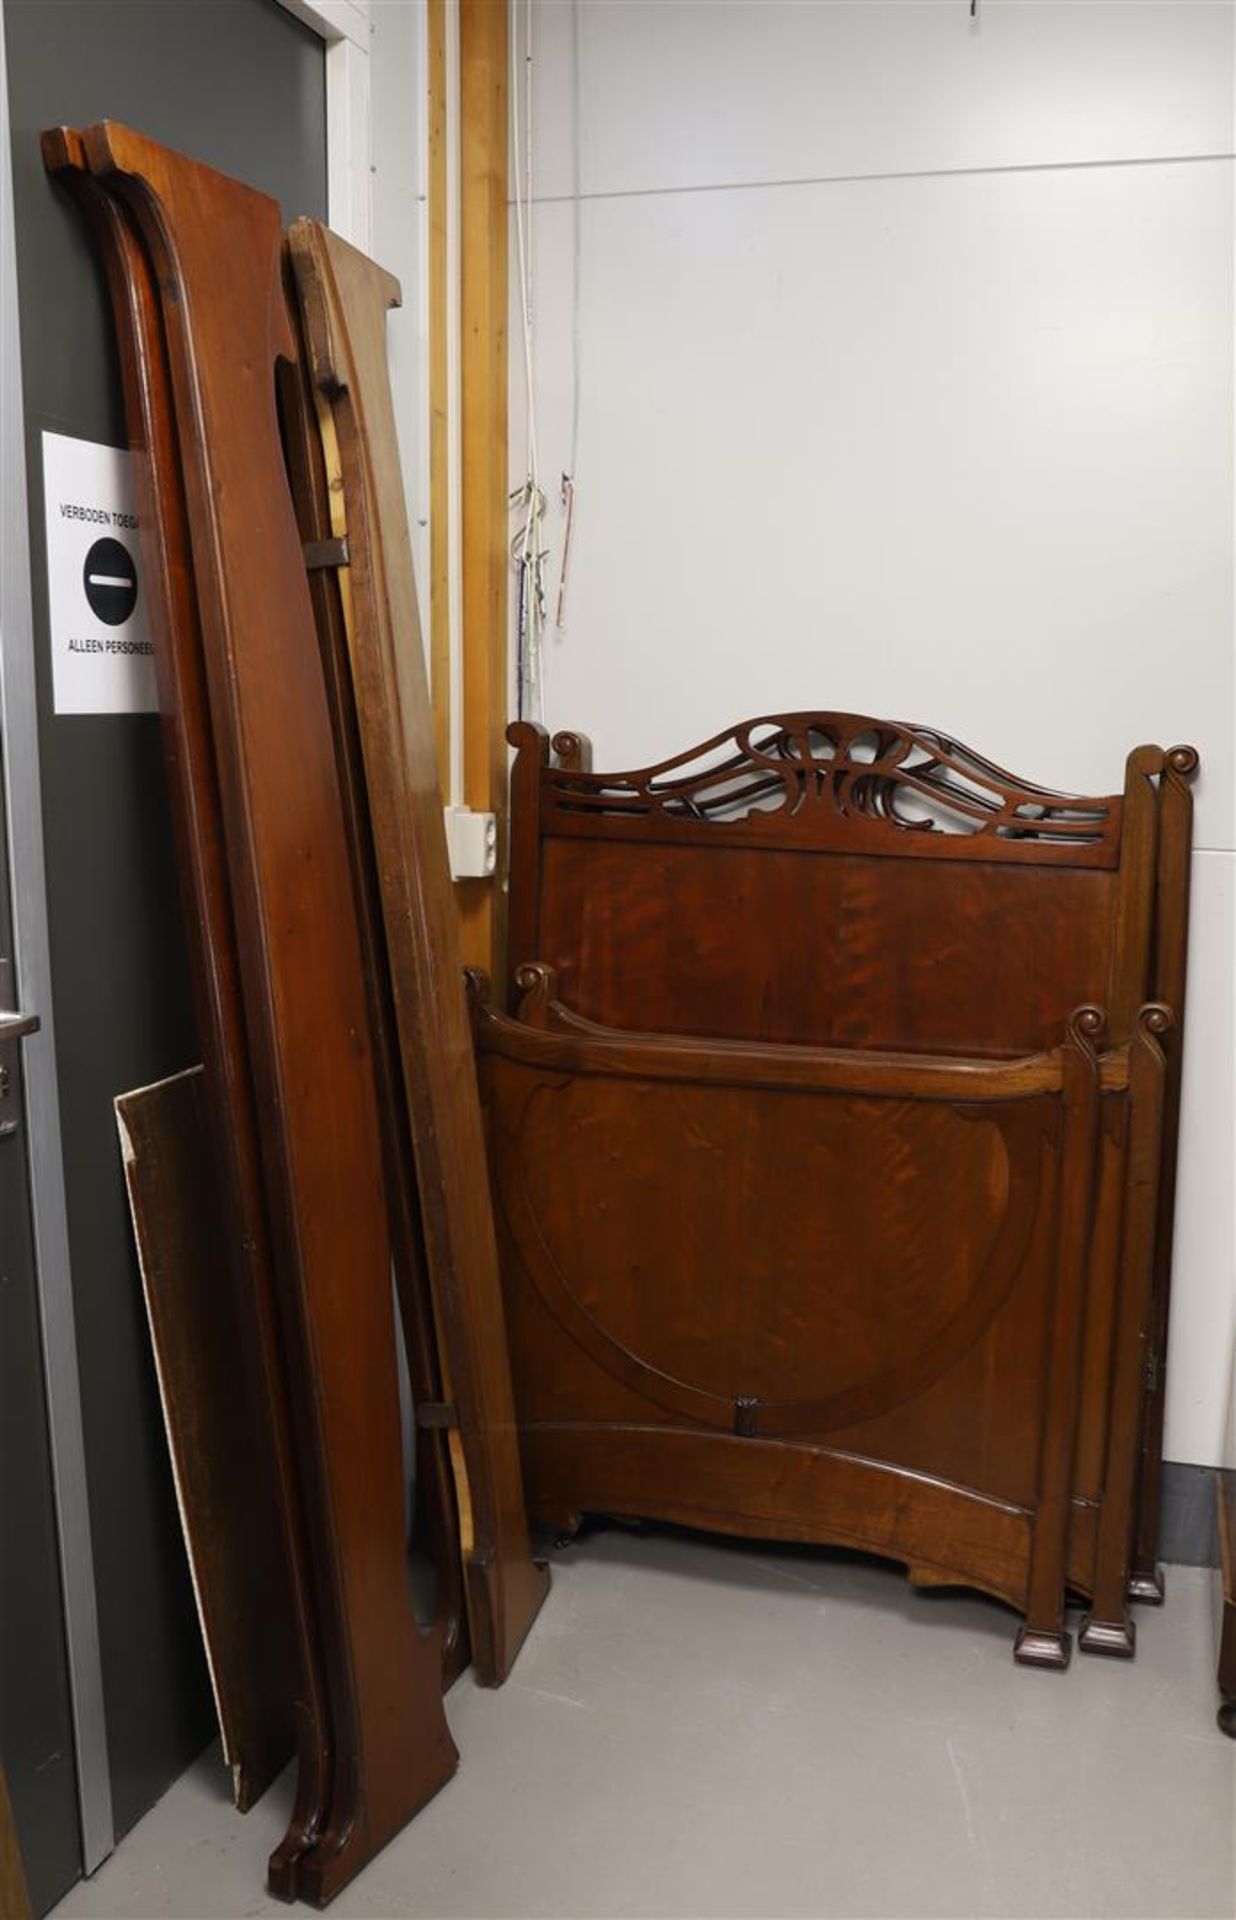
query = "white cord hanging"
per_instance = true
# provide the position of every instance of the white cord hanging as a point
(529, 546)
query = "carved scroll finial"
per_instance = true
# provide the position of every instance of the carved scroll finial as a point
(573, 751)
(62, 147)
(1147, 1059)
(537, 984)
(478, 988)
(1183, 760)
(1086, 1027)
(527, 737)
(1155, 1019)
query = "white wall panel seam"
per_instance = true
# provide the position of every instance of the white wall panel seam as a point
(907, 173)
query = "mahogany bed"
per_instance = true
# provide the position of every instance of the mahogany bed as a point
(832, 1138)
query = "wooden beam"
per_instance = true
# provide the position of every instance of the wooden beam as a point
(483, 103)
(439, 400)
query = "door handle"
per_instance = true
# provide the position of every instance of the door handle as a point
(15, 1026)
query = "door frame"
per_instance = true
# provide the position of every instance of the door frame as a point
(32, 971)
(344, 26)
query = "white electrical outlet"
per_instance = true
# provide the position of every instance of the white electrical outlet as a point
(472, 842)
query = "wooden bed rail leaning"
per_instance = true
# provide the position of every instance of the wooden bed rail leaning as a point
(799, 962)
(747, 1062)
(337, 1094)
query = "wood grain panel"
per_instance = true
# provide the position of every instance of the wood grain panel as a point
(439, 393)
(226, 1489)
(437, 1508)
(244, 1271)
(483, 219)
(344, 301)
(889, 1271)
(302, 984)
(767, 1490)
(836, 881)
(844, 951)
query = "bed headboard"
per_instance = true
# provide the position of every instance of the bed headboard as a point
(837, 879)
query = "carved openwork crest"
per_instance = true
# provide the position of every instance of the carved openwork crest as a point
(814, 769)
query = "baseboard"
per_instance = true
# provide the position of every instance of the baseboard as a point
(1188, 1533)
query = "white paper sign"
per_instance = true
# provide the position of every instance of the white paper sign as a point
(102, 657)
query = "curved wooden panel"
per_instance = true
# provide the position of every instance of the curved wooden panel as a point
(229, 1509)
(241, 1278)
(883, 1270)
(302, 983)
(439, 1504)
(835, 1313)
(344, 301)
(768, 1490)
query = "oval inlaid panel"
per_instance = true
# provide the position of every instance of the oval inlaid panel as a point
(878, 1239)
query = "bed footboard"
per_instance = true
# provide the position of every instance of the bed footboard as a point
(802, 1292)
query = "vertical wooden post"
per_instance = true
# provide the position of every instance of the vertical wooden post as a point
(439, 424)
(1108, 1627)
(1170, 971)
(1043, 1640)
(483, 134)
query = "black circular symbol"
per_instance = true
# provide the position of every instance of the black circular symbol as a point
(110, 580)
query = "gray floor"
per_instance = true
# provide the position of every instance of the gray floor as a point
(700, 1729)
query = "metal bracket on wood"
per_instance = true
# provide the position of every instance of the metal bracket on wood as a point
(437, 1413)
(325, 553)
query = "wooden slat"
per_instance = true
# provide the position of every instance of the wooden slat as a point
(343, 299)
(484, 215)
(549, 1035)
(1110, 1627)
(1175, 866)
(225, 1489)
(437, 1508)
(243, 1275)
(302, 983)
(439, 400)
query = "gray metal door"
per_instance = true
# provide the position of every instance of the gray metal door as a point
(36, 1732)
(241, 85)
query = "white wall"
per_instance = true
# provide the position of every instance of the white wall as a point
(905, 376)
